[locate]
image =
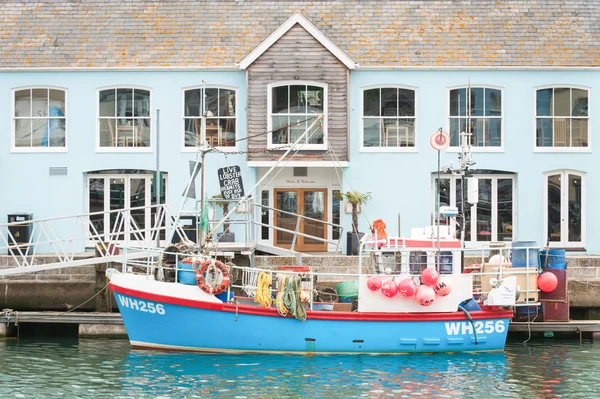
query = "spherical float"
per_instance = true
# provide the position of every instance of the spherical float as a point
(407, 287)
(430, 276)
(443, 287)
(374, 283)
(425, 295)
(547, 282)
(389, 288)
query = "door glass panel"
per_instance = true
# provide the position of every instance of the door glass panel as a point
(467, 212)
(264, 215)
(153, 213)
(574, 208)
(117, 201)
(314, 207)
(96, 201)
(137, 199)
(335, 214)
(554, 208)
(286, 201)
(484, 211)
(505, 210)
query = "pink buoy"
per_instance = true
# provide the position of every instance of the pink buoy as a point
(443, 287)
(425, 295)
(374, 283)
(430, 276)
(547, 282)
(389, 288)
(407, 287)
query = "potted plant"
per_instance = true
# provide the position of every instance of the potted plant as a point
(356, 199)
(226, 235)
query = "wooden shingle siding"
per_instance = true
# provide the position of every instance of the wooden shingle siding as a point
(298, 56)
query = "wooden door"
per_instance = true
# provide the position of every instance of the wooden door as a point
(309, 202)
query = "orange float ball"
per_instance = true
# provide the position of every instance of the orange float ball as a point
(547, 282)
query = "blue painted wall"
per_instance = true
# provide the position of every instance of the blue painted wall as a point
(26, 184)
(401, 182)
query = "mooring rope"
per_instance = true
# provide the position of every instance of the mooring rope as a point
(291, 298)
(263, 290)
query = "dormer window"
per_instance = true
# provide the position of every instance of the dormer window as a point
(293, 108)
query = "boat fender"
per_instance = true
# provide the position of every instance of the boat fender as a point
(209, 288)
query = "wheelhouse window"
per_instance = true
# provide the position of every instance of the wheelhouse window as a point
(482, 111)
(293, 108)
(388, 117)
(39, 119)
(565, 215)
(212, 110)
(492, 218)
(562, 118)
(124, 118)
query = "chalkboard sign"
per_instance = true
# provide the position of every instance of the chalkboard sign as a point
(230, 180)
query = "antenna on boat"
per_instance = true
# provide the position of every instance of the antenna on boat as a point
(439, 141)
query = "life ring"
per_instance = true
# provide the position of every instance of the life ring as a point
(201, 281)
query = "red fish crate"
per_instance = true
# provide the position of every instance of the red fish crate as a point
(556, 311)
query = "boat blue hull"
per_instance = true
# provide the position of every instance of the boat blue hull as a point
(152, 323)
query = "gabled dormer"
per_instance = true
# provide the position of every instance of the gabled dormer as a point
(295, 74)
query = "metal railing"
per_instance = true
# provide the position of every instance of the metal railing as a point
(66, 238)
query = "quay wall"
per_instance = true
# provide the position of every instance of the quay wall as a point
(63, 289)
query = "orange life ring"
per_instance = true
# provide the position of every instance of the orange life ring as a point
(201, 281)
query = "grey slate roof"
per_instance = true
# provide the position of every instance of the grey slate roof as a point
(125, 33)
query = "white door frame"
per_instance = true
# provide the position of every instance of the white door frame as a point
(564, 209)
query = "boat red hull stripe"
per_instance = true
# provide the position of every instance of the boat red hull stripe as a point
(488, 313)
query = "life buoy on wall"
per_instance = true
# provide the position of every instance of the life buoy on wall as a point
(217, 287)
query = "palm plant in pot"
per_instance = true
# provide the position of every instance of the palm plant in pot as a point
(226, 235)
(356, 199)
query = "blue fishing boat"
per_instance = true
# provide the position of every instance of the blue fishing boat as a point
(181, 316)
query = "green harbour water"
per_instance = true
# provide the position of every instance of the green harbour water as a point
(101, 368)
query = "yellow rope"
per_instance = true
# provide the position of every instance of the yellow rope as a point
(281, 308)
(263, 291)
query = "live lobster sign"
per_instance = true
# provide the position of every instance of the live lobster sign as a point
(230, 181)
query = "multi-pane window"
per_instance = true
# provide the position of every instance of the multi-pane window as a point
(39, 119)
(565, 214)
(482, 111)
(124, 117)
(492, 218)
(562, 118)
(389, 117)
(293, 109)
(212, 110)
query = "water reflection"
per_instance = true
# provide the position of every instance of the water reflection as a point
(109, 369)
(274, 376)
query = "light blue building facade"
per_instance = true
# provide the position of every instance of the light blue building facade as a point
(82, 135)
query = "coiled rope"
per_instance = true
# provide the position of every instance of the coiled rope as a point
(263, 290)
(281, 308)
(291, 298)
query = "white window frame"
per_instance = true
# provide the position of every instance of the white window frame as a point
(270, 87)
(183, 117)
(123, 149)
(564, 209)
(454, 180)
(589, 118)
(107, 177)
(13, 118)
(478, 148)
(362, 147)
